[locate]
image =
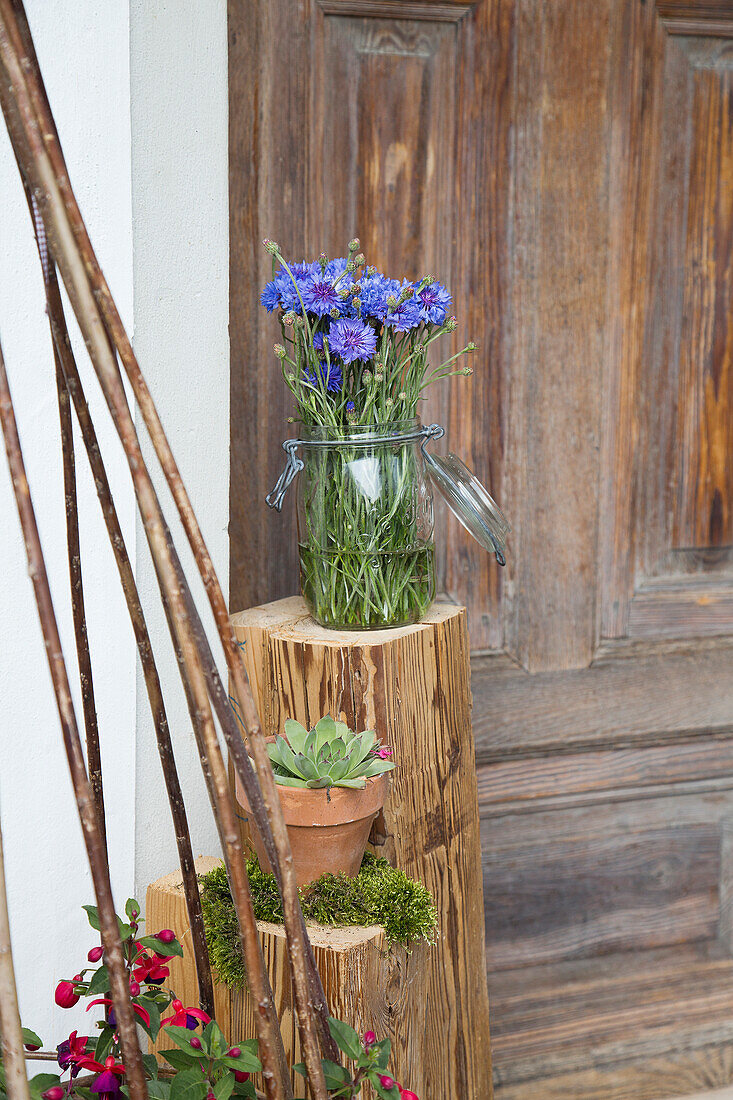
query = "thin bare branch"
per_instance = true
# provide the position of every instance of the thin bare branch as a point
(72, 743)
(11, 1036)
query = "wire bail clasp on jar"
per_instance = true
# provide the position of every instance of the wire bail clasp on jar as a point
(294, 464)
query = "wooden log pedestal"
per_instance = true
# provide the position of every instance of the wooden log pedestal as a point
(411, 684)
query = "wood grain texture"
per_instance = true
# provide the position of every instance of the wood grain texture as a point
(432, 10)
(365, 980)
(411, 685)
(632, 1026)
(570, 881)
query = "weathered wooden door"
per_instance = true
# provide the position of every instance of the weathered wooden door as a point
(566, 166)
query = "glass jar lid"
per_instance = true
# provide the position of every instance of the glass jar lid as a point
(469, 502)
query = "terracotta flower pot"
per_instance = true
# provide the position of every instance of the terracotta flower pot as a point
(324, 835)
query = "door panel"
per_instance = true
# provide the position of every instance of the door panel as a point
(567, 168)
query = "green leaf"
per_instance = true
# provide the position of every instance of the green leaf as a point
(93, 915)
(299, 1067)
(179, 1059)
(345, 1037)
(296, 734)
(245, 1088)
(247, 1062)
(132, 906)
(335, 1074)
(154, 944)
(378, 767)
(214, 1040)
(306, 767)
(385, 1094)
(99, 982)
(30, 1038)
(354, 784)
(104, 1043)
(42, 1081)
(189, 1085)
(319, 784)
(159, 1090)
(289, 781)
(154, 1012)
(224, 1087)
(151, 1066)
(325, 731)
(181, 1036)
(338, 770)
(384, 1048)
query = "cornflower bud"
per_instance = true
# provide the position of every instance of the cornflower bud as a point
(291, 420)
(290, 376)
(407, 292)
(271, 246)
(366, 375)
(350, 410)
(451, 324)
(351, 267)
(429, 280)
(360, 259)
(392, 301)
(378, 376)
(371, 270)
(289, 318)
(402, 396)
(354, 245)
(279, 350)
(468, 370)
(343, 292)
(334, 313)
(471, 346)
(323, 261)
(389, 402)
(356, 302)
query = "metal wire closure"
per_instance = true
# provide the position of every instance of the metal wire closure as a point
(293, 467)
(294, 464)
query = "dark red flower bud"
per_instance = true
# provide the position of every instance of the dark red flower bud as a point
(134, 989)
(196, 1043)
(240, 1076)
(95, 954)
(166, 936)
(386, 1082)
(78, 978)
(31, 1046)
(234, 1052)
(210, 1095)
(65, 996)
(54, 1093)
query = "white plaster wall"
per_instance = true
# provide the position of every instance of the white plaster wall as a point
(180, 228)
(139, 91)
(84, 53)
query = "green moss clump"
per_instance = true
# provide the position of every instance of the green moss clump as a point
(378, 895)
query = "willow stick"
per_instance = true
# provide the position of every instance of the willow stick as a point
(119, 982)
(11, 1035)
(73, 385)
(309, 1008)
(27, 140)
(78, 610)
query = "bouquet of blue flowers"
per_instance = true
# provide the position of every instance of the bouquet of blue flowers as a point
(355, 355)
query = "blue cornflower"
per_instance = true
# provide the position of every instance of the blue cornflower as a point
(319, 295)
(435, 300)
(375, 290)
(318, 341)
(352, 339)
(281, 293)
(270, 296)
(407, 315)
(329, 374)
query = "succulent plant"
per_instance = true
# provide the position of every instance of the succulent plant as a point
(330, 755)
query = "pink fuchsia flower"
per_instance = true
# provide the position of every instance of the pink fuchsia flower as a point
(111, 1020)
(384, 752)
(65, 997)
(405, 1094)
(106, 1085)
(186, 1017)
(72, 1051)
(150, 969)
(369, 1039)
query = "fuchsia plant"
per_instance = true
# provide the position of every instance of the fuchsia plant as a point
(202, 1065)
